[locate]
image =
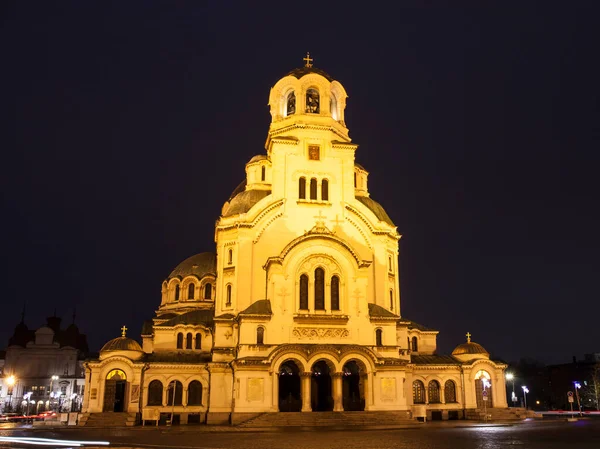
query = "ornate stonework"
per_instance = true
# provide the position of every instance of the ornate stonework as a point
(307, 333)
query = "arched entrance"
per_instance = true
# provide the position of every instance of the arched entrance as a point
(483, 383)
(114, 391)
(321, 397)
(353, 390)
(290, 397)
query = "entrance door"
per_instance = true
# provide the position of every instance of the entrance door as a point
(114, 391)
(479, 388)
(321, 398)
(290, 398)
(120, 396)
(352, 388)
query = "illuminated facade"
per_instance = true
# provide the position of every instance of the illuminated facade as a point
(299, 308)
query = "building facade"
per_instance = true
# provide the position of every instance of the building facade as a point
(43, 369)
(298, 309)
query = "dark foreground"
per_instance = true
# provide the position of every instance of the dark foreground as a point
(529, 435)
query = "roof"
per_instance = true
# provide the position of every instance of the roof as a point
(360, 167)
(199, 265)
(469, 348)
(244, 201)
(121, 344)
(417, 326)
(434, 360)
(261, 307)
(380, 312)
(202, 316)
(376, 208)
(302, 71)
(258, 157)
(147, 327)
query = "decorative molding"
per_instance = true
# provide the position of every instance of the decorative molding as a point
(319, 333)
(318, 319)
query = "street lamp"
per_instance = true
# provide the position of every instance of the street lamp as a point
(525, 391)
(11, 381)
(577, 386)
(511, 377)
(52, 379)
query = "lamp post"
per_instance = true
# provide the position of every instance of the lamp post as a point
(511, 377)
(577, 388)
(11, 382)
(52, 379)
(525, 391)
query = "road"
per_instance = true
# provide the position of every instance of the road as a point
(532, 435)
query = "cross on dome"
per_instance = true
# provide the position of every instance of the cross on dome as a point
(468, 335)
(308, 60)
(123, 331)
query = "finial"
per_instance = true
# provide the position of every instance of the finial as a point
(468, 335)
(308, 60)
(123, 331)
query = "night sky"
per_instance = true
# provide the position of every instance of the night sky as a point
(126, 125)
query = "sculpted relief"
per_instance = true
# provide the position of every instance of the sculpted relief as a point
(308, 333)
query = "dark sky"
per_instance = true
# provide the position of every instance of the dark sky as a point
(126, 125)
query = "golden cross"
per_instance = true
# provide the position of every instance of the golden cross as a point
(337, 221)
(468, 335)
(308, 60)
(123, 330)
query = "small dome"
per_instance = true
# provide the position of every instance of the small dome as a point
(470, 348)
(244, 201)
(199, 265)
(300, 72)
(258, 157)
(121, 344)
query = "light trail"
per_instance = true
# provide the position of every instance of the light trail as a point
(51, 442)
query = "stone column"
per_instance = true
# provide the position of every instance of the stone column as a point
(338, 404)
(275, 390)
(367, 390)
(305, 379)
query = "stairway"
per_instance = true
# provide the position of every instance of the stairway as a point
(107, 419)
(499, 414)
(332, 419)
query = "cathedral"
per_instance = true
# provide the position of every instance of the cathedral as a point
(298, 307)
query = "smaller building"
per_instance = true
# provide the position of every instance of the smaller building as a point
(42, 368)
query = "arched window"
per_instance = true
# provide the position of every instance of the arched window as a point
(177, 292)
(325, 190)
(433, 389)
(179, 340)
(207, 291)
(191, 290)
(198, 342)
(290, 104)
(228, 299)
(188, 341)
(313, 189)
(418, 392)
(175, 393)
(319, 289)
(333, 107)
(260, 335)
(390, 264)
(415, 344)
(312, 101)
(450, 391)
(194, 393)
(155, 393)
(302, 188)
(304, 292)
(230, 256)
(391, 299)
(355, 180)
(263, 172)
(335, 293)
(379, 337)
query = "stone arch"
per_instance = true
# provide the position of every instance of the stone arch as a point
(366, 363)
(295, 357)
(330, 359)
(107, 391)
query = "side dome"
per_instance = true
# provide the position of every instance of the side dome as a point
(122, 346)
(470, 350)
(198, 265)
